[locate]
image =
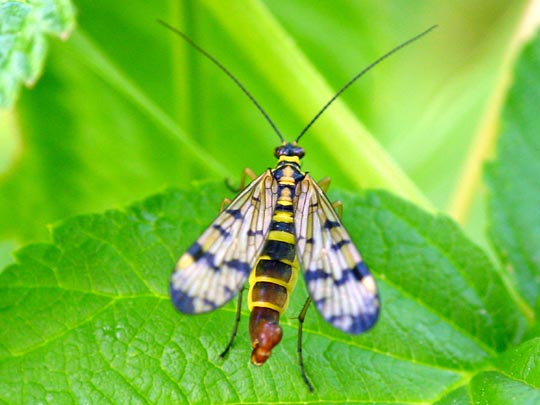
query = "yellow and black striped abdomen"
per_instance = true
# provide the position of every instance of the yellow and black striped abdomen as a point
(276, 270)
(275, 273)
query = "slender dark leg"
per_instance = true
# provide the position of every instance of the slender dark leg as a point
(236, 322)
(301, 318)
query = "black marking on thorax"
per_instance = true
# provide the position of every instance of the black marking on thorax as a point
(288, 175)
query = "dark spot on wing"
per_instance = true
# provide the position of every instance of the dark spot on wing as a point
(186, 303)
(223, 232)
(238, 265)
(340, 244)
(360, 270)
(317, 274)
(347, 275)
(196, 251)
(331, 224)
(359, 323)
(235, 213)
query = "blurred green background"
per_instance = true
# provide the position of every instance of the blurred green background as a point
(124, 108)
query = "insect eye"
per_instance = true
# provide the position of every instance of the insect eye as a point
(298, 151)
(279, 151)
(289, 149)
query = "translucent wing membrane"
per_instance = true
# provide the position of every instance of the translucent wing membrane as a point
(338, 281)
(217, 265)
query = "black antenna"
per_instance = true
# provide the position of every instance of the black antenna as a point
(227, 72)
(361, 73)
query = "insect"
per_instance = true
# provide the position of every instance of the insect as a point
(280, 223)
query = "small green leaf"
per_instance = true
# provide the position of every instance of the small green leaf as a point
(90, 318)
(516, 380)
(23, 26)
(495, 388)
(522, 363)
(514, 179)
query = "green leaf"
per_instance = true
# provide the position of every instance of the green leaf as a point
(514, 378)
(514, 180)
(23, 45)
(522, 363)
(90, 318)
(517, 379)
(496, 388)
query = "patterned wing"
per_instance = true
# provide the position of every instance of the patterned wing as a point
(338, 281)
(217, 265)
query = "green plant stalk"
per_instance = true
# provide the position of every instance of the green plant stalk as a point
(263, 39)
(182, 88)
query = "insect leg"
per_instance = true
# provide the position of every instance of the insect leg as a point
(324, 184)
(301, 318)
(247, 172)
(224, 203)
(338, 206)
(236, 322)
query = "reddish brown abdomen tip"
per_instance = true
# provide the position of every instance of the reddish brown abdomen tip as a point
(265, 334)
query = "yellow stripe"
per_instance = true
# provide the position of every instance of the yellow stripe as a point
(289, 287)
(284, 202)
(289, 181)
(293, 159)
(265, 279)
(283, 216)
(282, 236)
(268, 305)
